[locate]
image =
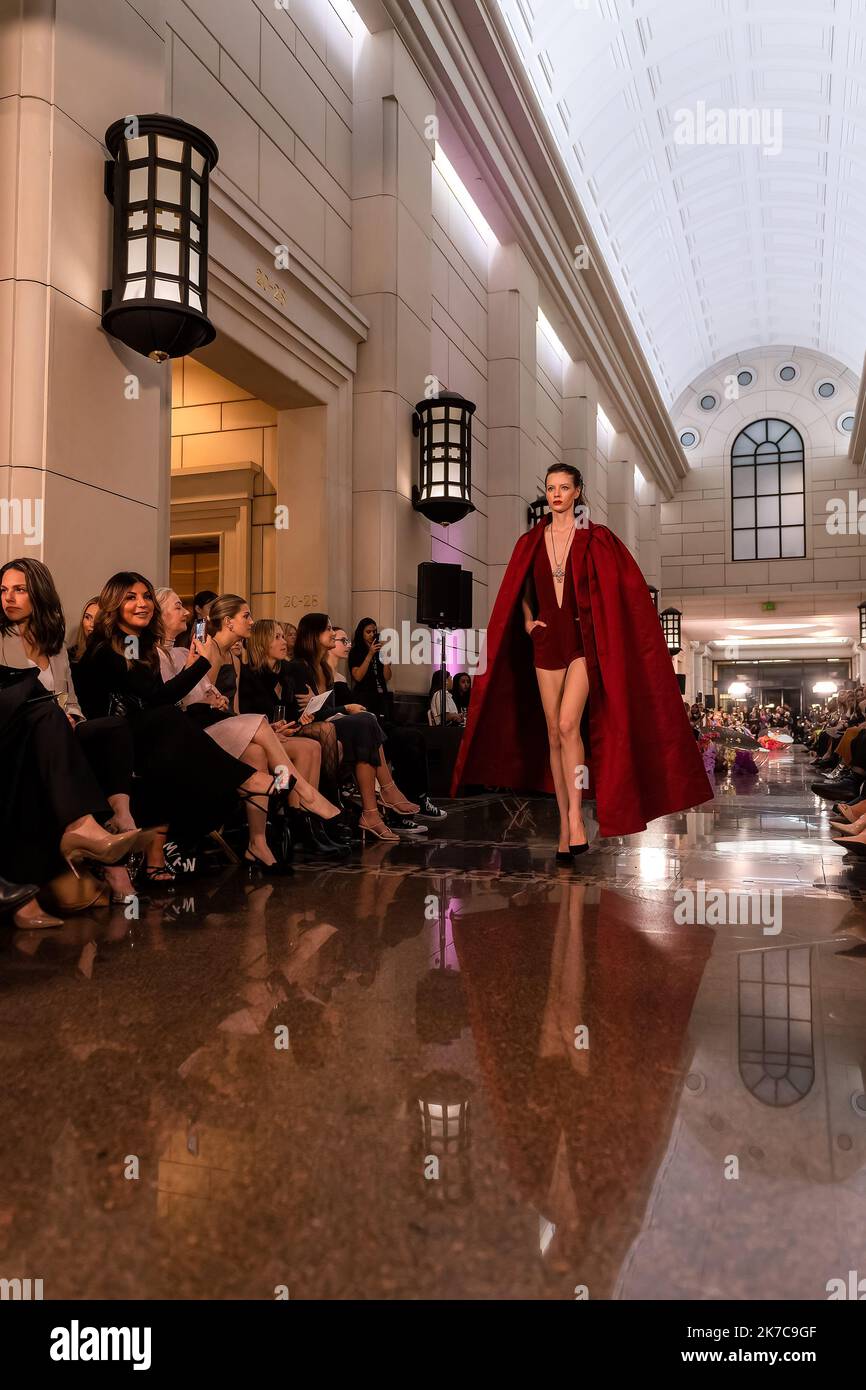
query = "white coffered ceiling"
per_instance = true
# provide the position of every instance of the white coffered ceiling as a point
(716, 247)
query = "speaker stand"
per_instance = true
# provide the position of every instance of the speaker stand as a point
(442, 720)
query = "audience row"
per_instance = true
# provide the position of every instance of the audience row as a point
(145, 733)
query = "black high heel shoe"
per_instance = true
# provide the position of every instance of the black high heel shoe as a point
(281, 868)
(274, 796)
(578, 849)
(563, 856)
(15, 895)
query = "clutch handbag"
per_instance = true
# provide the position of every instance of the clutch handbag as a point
(124, 704)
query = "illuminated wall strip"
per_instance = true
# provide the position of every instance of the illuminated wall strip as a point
(464, 197)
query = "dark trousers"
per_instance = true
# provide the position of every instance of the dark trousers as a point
(406, 751)
(107, 746)
(858, 750)
(53, 786)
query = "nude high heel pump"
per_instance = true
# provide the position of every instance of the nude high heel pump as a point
(36, 922)
(75, 846)
(848, 827)
(852, 844)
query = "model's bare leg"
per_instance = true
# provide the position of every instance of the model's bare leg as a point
(574, 693)
(550, 686)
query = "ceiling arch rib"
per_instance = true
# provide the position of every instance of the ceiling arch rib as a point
(717, 153)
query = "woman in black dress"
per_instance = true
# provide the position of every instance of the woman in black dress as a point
(32, 634)
(52, 808)
(361, 738)
(407, 749)
(187, 782)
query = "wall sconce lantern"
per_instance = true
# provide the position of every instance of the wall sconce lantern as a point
(671, 628)
(444, 424)
(861, 609)
(537, 511)
(654, 595)
(157, 183)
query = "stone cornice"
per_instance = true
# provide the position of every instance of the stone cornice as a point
(468, 59)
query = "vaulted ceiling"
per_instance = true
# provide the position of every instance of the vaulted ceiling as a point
(718, 149)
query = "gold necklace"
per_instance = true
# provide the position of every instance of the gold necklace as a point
(559, 572)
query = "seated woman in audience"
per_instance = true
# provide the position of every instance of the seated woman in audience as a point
(85, 627)
(290, 632)
(265, 690)
(249, 737)
(32, 633)
(52, 809)
(434, 713)
(462, 691)
(359, 733)
(407, 748)
(188, 781)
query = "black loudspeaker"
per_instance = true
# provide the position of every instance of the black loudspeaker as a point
(439, 589)
(709, 702)
(465, 599)
(681, 679)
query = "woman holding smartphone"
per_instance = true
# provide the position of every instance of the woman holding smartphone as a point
(248, 736)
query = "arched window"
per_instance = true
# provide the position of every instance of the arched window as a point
(768, 512)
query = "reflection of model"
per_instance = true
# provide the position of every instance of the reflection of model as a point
(594, 654)
(580, 1018)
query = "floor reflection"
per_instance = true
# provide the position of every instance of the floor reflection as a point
(451, 1070)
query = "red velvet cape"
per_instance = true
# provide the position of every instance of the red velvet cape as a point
(640, 749)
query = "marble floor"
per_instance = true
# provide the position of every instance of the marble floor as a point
(451, 1069)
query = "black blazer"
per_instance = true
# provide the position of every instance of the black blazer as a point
(298, 676)
(260, 690)
(102, 673)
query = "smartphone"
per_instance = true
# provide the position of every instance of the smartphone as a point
(199, 629)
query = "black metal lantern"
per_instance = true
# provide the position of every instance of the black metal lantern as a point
(671, 628)
(157, 183)
(537, 511)
(654, 595)
(861, 609)
(444, 424)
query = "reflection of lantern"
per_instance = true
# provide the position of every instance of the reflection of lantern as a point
(444, 424)
(440, 1004)
(671, 628)
(738, 690)
(861, 609)
(443, 1100)
(537, 511)
(654, 595)
(158, 186)
(825, 688)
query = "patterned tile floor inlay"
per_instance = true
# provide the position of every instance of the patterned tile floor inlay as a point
(451, 1069)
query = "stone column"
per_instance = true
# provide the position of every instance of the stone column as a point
(622, 507)
(85, 422)
(391, 283)
(580, 434)
(648, 533)
(512, 405)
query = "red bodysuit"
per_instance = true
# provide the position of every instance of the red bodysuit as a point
(557, 644)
